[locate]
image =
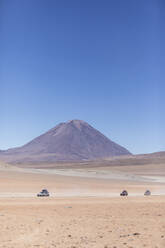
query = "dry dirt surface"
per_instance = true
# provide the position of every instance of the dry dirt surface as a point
(84, 209)
(83, 222)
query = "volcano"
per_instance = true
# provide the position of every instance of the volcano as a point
(69, 141)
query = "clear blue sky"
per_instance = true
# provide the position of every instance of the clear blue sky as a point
(102, 61)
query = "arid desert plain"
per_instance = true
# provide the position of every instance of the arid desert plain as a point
(84, 209)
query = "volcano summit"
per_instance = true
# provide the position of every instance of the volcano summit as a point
(72, 140)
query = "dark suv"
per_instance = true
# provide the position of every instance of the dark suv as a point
(124, 193)
(44, 192)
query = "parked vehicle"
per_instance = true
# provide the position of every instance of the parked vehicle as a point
(147, 192)
(43, 193)
(124, 193)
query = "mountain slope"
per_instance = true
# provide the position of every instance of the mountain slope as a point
(73, 140)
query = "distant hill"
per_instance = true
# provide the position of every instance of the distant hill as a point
(74, 140)
(140, 159)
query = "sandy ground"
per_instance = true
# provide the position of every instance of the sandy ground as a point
(83, 222)
(84, 210)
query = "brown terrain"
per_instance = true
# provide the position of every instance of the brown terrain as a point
(84, 208)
